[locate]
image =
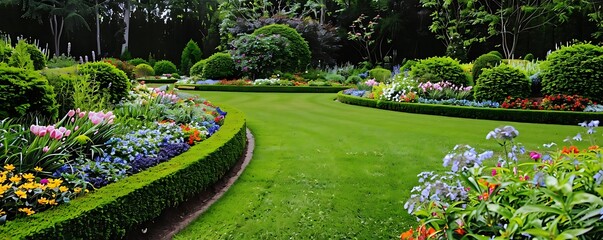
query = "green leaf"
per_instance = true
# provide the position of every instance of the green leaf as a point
(500, 210)
(582, 197)
(572, 234)
(538, 208)
(539, 232)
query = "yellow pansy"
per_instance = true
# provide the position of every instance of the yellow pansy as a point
(29, 186)
(29, 176)
(77, 190)
(43, 201)
(38, 169)
(52, 202)
(63, 189)
(53, 183)
(15, 179)
(9, 167)
(28, 211)
(21, 194)
(2, 178)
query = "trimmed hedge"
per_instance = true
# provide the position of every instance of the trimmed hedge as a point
(499, 114)
(112, 210)
(153, 80)
(263, 88)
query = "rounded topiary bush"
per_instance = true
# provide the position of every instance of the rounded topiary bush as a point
(484, 61)
(334, 77)
(437, 69)
(38, 58)
(498, 83)
(197, 69)
(25, 91)
(164, 67)
(137, 61)
(354, 79)
(380, 74)
(111, 81)
(408, 65)
(497, 53)
(218, 66)
(574, 70)
(529, 57)
(143, 70)
(300, 51)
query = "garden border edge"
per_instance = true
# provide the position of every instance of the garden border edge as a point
(285, 89)
(514, 115)
(110, 211)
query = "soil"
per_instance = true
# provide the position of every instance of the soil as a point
(174, 219)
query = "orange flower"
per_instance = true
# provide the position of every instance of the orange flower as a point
(572, 149)
(460, 231)
(593, 148)
(406, 235)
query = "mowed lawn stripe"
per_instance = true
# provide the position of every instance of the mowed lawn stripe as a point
(323, 169)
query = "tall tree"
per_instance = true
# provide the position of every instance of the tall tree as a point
(62, 15)
(511, 18)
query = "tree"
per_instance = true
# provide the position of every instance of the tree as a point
(596, 15)
(191, 54)
(61, 15)
(511, 18)
(454, 23)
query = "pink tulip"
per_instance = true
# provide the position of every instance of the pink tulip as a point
(42, 133)
(72, 119)
(49, 128)
(67, 133)
(56, 134)
(82, 114)
(45, 149)
(71, 113)
(62, 129)
(76, 128)
(96, 120)
(35, 129)
(77, 111)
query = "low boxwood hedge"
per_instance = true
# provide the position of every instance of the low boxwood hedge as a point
(237, 88)
(112, 210)
(500, 114)
(152, 80)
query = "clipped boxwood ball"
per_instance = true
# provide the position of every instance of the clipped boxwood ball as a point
(111, 81)
(437, 69)
(25, 91)
(143, 70)
(218, 66)
(165, 67)
(574, 70)
(38, 58)
(197, 69)
(484, 61)
(497, 53)
(498, 83)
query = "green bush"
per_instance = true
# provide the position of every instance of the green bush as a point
(529, 57)
(498, 83)
(313, 74)
(126, 55)
(61, 61)
(484, 61)
(20, 56)
(63, 87)
(298, 46)
(333, 77)
(574, 70)
(143, 70)
(197, 69)
(380, 74)
(190, 55)
(24, 91)
(175, 76)
(38, 58)
(408, 65)
(5, 50)
(138, 61)
(121, 65)
(111, 81)
(497, 53)
(218, 66)
(438, 69)
(164, 67)
(354, 79)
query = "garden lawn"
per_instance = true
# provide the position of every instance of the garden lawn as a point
(323, 169)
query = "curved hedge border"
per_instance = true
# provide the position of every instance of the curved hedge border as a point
(515, 115)
(235, 88)
(110, 211)
(152, 80)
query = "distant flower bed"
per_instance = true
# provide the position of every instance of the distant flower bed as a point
(50, 164)
(261, 82)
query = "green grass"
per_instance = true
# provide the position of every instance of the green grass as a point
(323, 169)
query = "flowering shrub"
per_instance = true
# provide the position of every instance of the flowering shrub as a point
(398, 93)
(554, 194)
(462, 102)
(443, 90)
(553, 102)
(273, 82)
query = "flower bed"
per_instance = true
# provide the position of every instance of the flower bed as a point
(119, 206)
(550, 194)
(517, 115)
(262, 88)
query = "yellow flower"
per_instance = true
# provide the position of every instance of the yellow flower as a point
(38, 169)
(43, 201)
(53, 183)
(28, 211)
(77, 190)
(15, 179)
(21, 194)
(3, 188)
(29, 186)
(9, 167)
(63, 189)
(30, 177)
(2, 178)
(2, 212)
(52, 202)
(86, 190)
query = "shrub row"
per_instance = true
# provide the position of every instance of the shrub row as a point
(263, 88)
(515, 115)
(120, 206)
(159, 81)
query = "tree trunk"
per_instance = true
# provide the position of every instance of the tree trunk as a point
(98, 39)
(56, 28)
(127, 13)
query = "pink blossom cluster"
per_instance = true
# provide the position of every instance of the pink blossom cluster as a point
(371, 82)
(94, 117)
(440, 86)
(169, 96)
(54, 133)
